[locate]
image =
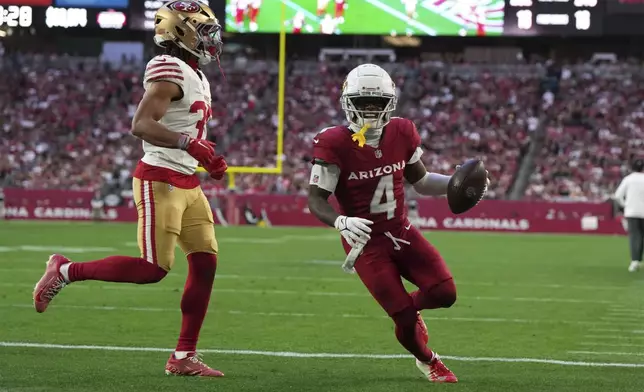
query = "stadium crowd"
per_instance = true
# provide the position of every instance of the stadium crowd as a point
(65, 121)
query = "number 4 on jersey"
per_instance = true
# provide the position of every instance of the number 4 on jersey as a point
(384, 190)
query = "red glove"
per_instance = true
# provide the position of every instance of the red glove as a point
(217, 167)
(201, 150)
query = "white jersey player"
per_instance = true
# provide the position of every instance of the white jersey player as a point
(172, 209)
(182, 115)
(327, 25)
(298, 22)
(322, 6)
(410, 7)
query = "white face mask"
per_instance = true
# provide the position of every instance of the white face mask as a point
(372, 111)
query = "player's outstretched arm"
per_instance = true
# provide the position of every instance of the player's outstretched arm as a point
(425, 183)
(153, 106)
(428, 184)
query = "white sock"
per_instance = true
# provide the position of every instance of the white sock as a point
(64, 270)
(181, 354)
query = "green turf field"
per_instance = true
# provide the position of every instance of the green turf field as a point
(526, 301)
(382, 17)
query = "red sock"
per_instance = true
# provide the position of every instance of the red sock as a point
(409, 337)
(195, 299)
(442, 295)
(339, 9)
(253, 14)
(125, 269)
(239, 16)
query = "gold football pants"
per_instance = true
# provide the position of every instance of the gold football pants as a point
(169, 215)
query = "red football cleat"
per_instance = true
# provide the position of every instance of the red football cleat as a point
(422, 328)
(190, 366)
(436, 371)
(50, 284)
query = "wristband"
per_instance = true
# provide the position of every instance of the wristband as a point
(183, 142)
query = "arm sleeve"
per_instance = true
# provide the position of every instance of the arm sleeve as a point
(163, 68)
(325, 177)
(416, 157)
(620, 193)
(415, 143)
(433, 184)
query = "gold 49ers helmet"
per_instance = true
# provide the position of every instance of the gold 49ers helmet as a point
(192, 26)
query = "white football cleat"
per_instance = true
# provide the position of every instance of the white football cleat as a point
(436, 371)
(634, 266)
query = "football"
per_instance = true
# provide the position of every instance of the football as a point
(467, 186)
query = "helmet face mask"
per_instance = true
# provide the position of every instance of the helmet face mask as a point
(190, 25)
(368, 96)
(210, 44)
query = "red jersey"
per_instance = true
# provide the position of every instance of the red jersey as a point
(371, 179)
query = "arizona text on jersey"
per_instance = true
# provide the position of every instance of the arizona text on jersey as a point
(370, 179)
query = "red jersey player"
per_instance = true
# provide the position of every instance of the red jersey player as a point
(172, 209)
(364, 165)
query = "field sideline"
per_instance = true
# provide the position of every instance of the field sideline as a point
(535, 313)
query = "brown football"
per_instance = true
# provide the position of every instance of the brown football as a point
(467, 186)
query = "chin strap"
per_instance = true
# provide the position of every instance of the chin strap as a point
(359, 136)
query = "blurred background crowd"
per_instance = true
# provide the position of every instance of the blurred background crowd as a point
(546, 130)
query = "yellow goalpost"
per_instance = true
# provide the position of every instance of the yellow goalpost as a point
(233, 170)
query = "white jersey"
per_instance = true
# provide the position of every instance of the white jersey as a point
(410, 5)
(327, 25)
(188, 115)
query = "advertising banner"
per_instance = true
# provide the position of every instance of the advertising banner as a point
(292, 210)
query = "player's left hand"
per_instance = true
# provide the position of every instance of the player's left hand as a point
(487, 175)
(217, 167)
(201, 150)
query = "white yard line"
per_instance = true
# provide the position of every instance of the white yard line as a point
(613, 330)
(320, 315)
(617, 318)
(395, 13)
(290, 354)
(590, 344)
(268, 240)
(56, 249)
(306, 12)
(609, 337)
(631, 314)
(352, 279)
(318, 293)
(607, 353)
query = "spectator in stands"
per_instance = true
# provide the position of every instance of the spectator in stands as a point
(65, 122)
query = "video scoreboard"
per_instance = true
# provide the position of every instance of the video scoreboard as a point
(411, 17)
(97, 14)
